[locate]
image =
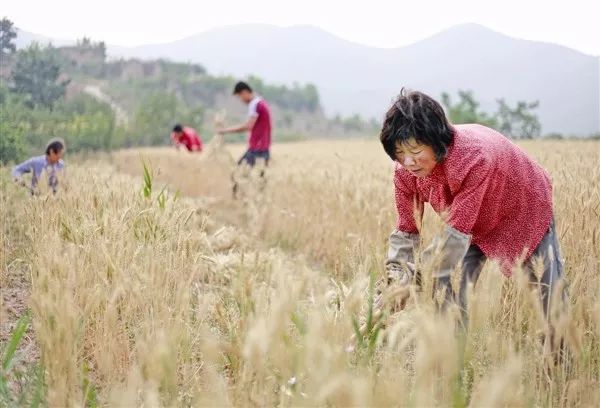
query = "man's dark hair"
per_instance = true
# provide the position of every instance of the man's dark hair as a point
(177, 128)
(240, 87)
(55, 147)
(419, 116)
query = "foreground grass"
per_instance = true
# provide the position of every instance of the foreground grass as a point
(141, 301)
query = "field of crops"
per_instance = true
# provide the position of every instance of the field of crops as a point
(138, 294)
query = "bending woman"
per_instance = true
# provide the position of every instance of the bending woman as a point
(496, 200)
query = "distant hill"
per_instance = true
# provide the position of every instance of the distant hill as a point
(24, 38)
(356, 78)
(353, 78)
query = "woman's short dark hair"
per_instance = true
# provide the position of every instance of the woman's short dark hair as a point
(419, 116)
(55, 145)
(177, 128)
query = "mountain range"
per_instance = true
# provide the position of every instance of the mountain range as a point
(354, 78)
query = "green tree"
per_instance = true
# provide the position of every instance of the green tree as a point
(353, 124)
(520, 121)
(157, 114)
(466, 110)
(87, 43)
(154, 116)
(92, 128)
(7, 35)
(295, 98)
(36, 76)
(84, 122)
(12, 127)
(84, 42)
(311, 98)
(87, 123)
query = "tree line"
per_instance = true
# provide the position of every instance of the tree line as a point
(518, 122)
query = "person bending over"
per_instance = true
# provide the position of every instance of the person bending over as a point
(496, 200)
(50, 163)
(187, 137)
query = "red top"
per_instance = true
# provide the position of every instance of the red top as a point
(260, 135)
(488, 188)
(189, 138)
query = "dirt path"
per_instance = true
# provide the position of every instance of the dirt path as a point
(120, 114)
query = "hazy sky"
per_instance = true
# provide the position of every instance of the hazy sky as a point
(383, 23)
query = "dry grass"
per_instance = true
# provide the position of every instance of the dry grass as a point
(251, 303)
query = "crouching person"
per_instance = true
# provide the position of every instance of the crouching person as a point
(496, 199)
(51, 163)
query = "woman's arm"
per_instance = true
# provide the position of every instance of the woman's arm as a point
(449, 248)
(405, 239)
(400, 261)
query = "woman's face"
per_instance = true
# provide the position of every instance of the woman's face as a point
(417, 158)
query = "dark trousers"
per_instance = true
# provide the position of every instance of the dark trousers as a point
(548, 251)
(251, 155)
(249, 158)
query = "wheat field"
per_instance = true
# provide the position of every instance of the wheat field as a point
(166, 292)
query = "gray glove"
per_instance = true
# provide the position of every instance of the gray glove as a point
(445, 252)
(400, 270)
(400, 262)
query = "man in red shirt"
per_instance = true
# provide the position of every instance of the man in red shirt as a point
(258, 125)
(496, 199)
(187, 137)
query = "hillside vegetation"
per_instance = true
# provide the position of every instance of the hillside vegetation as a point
(76, 93)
